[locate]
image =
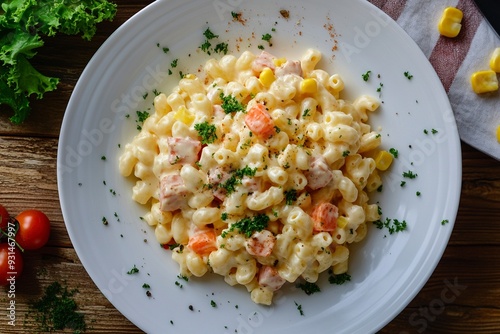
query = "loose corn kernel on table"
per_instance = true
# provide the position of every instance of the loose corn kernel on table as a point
(462, 296)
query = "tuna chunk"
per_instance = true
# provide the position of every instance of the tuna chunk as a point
(319, 174)
(270, 278)
(265, 59)
(173, 193)
(183, 150)
(289, 67)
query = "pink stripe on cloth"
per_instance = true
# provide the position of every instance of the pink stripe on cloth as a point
(449, 53)
(393, 8)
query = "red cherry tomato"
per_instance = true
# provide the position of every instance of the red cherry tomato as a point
(11, 263)
(4, 217)
(34, 229)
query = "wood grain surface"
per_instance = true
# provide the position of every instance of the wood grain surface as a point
(462, 295)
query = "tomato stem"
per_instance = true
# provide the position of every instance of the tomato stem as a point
(14, 221)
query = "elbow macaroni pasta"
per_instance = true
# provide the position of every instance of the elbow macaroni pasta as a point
(280, 188)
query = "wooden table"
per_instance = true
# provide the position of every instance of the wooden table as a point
(462, 296)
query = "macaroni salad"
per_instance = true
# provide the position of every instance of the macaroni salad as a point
(258, 171)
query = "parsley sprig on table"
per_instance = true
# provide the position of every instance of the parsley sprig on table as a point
(23, 27)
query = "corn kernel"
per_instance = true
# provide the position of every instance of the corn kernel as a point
(279, 61)
(183, 115)
(498, 134)
(342, 222)
(383, 160)
(267, 77)
(484, 82)
(495, 60)
(450, 22)
(308, 86)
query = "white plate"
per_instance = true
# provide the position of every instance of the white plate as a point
(387, 270)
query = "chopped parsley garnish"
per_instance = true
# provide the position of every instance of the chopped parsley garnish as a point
(345, 153)
(209, 34)
(146, 286)
(183, 277)
(299, 307)
(56, 310)
(235, 179)
(174, 63)
(223, 216)
(221, 48)
(379, 89)
(141, 117)
(409, 174)
(418, 193)
(290, 196)
(173, 246)
(207, 45)
(207, 132)
(134, 270)
(230, 104)
(266, 37)
(426, 132)
(366, 75)
(394, 152)
(444, 221)
(309, 288)
(434, 131)
(213, 303)
(249, 225)
(306, 112)
(392, 225)
(338, 279)
(403, 183)
(408, 75)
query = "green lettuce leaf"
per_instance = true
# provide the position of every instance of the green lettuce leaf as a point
(23, 26)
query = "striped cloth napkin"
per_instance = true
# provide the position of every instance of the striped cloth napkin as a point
(455, 59)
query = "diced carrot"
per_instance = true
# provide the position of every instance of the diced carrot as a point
(325, 217)
(259, 121)
(203, 242)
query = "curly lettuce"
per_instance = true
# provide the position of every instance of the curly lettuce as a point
(23, 26)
